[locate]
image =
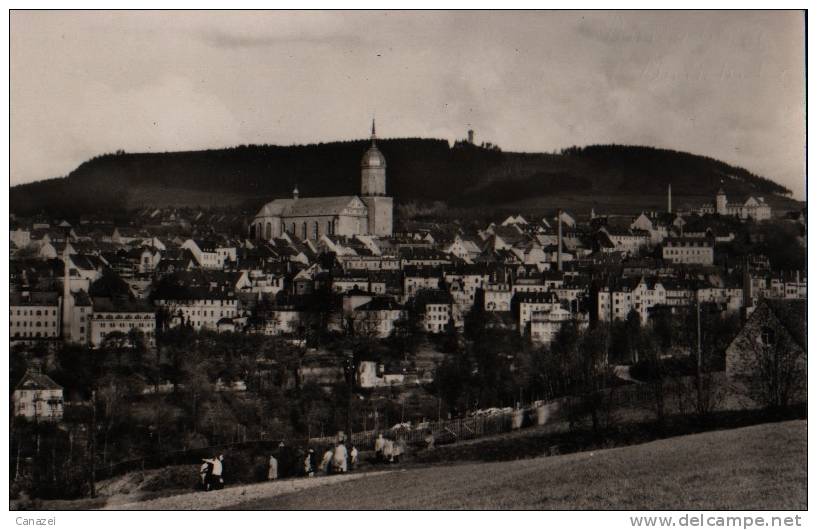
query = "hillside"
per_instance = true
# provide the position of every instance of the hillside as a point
(760, 467)
(419, 170)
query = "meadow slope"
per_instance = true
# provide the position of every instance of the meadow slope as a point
(758, 467)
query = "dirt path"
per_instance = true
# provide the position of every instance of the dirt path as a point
(231, 496)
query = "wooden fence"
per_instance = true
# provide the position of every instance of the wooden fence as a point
(448, 431)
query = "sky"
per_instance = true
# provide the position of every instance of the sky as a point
(730, 85)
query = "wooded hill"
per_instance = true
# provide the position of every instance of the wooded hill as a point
(419, 170)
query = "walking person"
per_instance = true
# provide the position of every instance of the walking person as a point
(272, 474)
(206, 471)
(310, 463)
(397, 451)
(339, 464)
(216, 480)
(379, 445)
(326, 461)
(388, 450)
(353, 455)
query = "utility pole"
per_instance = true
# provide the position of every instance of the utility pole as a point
(92, 443)
(559, 241)
(698, 374)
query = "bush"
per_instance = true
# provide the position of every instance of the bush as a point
(173, 477)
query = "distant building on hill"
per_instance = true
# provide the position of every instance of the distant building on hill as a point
(751, 208)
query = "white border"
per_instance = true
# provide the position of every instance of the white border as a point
(493, 520)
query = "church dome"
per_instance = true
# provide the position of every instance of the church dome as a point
(373, 158)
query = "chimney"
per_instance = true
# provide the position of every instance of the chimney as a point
(471, 136)
(559, 241)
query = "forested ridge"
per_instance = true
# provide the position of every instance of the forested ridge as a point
(419, 170)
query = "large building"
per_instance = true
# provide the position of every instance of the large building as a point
(312, 217)
(34, 315)
(751, 208)
(689, 250)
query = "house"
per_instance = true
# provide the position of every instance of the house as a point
(147, 258)
(498, 297)
(771, 346)
(20, 237)
(196, 306)
(630, 294)
(416, 279)
(544, 325)
(465, 249)
(437, 308)
(531, 303)
(422, 257)
(37, 397)
(358, 280)
(514, 220)
(657, 231)
(369, 374)
(209, 254)
(118, 314)
(688, 250)
(464, 283)
(125, 235)
(628, 241)
(567, 219)
(377, 317)
(34, 315)
(279, 319)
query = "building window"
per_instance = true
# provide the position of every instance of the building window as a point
(767, 336)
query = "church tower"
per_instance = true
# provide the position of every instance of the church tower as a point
(720, 202)
(373, 190)
(373, 170)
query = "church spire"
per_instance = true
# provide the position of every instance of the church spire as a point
(374, 135)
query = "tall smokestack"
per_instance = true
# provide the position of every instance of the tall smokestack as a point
(559, 243)
(669, 198)
(65, 321)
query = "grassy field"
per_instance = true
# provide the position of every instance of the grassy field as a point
(759, 467)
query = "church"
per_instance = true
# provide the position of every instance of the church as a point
(371, 213)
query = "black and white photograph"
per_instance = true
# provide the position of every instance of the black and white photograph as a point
(413, 260)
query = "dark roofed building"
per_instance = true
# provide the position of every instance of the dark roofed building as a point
(771, 346)
(37, 397)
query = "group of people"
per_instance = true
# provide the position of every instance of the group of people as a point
(212, 473)
(387, 450)
(339, 457)
(336, 459)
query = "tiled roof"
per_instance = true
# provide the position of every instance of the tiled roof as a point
(120, 305)
(792, 316)
(34, 380)
(35, 298)
(308, 206)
